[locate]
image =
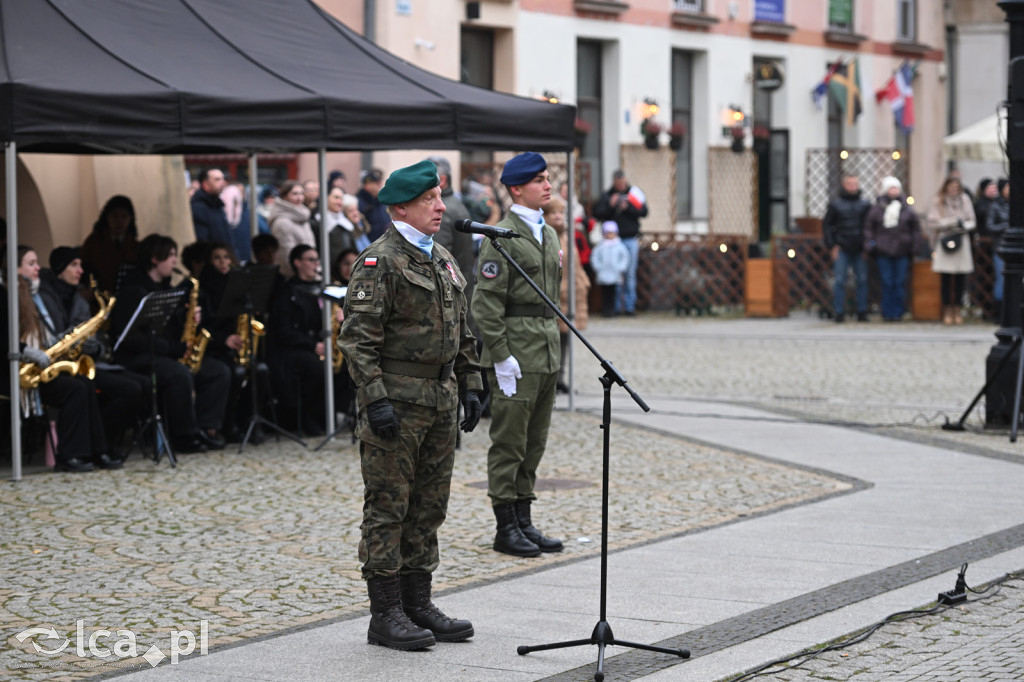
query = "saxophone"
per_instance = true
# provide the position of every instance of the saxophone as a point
(65, 355)
(249, 333)
(194, 336)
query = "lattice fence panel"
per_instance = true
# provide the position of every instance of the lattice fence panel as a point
(692, 274)
(825, 168)
(653, 171)
(732, 192)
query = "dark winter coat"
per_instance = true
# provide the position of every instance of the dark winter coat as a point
(209, 219)
(843, 225)
(897, 241)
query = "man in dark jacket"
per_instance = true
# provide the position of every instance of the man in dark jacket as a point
(625, 205)
(369, 205)
(843, 227)
(208, 217)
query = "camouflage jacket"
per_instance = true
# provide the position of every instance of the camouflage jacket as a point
(402, 306)
(511, 316)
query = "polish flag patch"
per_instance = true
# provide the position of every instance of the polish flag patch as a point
(451, 270)
(370, 262)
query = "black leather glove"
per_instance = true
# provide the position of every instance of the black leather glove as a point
(472, 409)
(383, 421)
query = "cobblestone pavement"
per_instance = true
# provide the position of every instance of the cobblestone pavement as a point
(982, 639)
(265, 541)
(262, 542)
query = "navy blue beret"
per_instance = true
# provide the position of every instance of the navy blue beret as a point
(520, 169)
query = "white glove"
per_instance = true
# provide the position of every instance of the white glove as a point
(508, 371)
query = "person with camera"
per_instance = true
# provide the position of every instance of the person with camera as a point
(413, 360)
(950, 222)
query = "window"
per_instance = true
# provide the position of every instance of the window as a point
(696, 6)
(682, 105)
(477, 68)
(840, 15)
(588, 108)
(906, 21)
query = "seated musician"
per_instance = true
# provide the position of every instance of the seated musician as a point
(81, 443)
(193, 425)
(298, 341)
(122, 393)
(227, 345)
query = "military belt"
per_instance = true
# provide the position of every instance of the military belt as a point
(528, 310)
(416, 369)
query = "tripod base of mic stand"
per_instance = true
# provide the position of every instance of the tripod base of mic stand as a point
(602, 637)
(258, 420)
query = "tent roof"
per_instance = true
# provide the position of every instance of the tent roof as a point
(981, 141)
(177, 76)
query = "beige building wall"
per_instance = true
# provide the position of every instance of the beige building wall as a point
(60, 196)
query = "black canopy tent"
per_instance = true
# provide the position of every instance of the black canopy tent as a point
(204, 76)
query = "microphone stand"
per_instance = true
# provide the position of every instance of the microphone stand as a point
(602, 634)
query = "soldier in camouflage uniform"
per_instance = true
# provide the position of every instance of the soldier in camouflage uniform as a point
(413, 359)
(521, 354)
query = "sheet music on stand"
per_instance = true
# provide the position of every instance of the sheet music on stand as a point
(152, 314)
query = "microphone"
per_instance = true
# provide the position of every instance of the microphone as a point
(486, 230)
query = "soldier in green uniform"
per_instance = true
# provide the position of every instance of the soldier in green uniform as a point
(412, 359)
(520, 354)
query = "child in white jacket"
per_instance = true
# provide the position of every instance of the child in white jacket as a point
(610, 259)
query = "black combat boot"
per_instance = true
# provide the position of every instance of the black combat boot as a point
(545, 544)
(389, 626)
(510, 539)
(415, 588)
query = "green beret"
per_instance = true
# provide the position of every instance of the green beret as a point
(405, 184)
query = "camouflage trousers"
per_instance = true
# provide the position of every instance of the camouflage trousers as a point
(519, 435)
(406, 487)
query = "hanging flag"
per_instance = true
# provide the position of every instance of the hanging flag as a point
(900, 94)
(845, 87)
(821, 89)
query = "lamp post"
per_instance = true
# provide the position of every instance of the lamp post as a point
(999, 397)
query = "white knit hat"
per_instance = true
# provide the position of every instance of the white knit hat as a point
(888, 182)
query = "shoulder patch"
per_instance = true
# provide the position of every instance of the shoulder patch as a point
(360, 293)
(490, 269)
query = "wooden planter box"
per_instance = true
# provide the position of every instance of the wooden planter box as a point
(766, 288)
(925, 299)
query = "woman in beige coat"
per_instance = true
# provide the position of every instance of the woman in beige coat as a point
(950, 222)
(289, 223)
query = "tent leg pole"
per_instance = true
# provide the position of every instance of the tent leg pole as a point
(11, 168)
(325, 267)
(570, 230)
(254, 217)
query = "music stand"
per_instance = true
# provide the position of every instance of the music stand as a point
(150, 318)
(602, 634)
(246, 291)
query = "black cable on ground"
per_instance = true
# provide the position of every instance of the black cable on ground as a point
(863, 634)
(928, 422)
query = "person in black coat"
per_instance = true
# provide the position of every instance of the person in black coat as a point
(843, 228)
(626, 205)
(297, 348)
(122, 393)
(208, 217)
(193, 425)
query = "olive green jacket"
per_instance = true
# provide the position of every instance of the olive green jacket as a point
(404, 306)
(502, 296)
